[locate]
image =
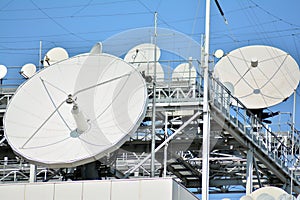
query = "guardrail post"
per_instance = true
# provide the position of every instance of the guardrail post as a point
(249, 173)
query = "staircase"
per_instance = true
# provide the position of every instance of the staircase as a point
(271, 149)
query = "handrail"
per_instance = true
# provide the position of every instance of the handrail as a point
(251, 126)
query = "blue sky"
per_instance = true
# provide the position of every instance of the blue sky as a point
(78, 24)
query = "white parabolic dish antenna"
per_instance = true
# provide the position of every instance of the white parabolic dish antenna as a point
(262, 76)
(28, 70)
(142, 53)
(55, 55)
(3, 71)
(76, 111)
(184, 72)
(142, 57)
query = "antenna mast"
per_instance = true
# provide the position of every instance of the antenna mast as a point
(206, 114)
(154, 101)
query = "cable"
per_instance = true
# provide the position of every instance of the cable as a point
(221, 11)
(147, 8)
(58, 24)
(269, 31)
(59, 35)
(152, 12)
(212, 15)
(195, 18)
(255, 21)
(296, 46)
(158, 4)
(72, 17)
(65, 7)
(6, 5)
(15, 53)
(269, 13)
(255, 39)
(82, 8)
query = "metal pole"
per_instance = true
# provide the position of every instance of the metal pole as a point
(154, 102)
(206, 116)
(166, 146)
(40, 55)
(293, 131)
(249, 172)
(190, 69)
(32, 173)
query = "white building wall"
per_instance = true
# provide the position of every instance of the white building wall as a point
(124, 189)
(35, 191)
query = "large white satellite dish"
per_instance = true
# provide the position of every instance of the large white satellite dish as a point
(184, 72)
(76, 111)
(3, 71)
(262, 76)
(142, 53)
(55, 55)
(28, 70)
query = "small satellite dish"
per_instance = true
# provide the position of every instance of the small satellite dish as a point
(184, 72)
(142, 53)
(55, 55)
(219, 53)
(262, 76)
(3, 71)
(76, 111)
(28, 70)
(97, 48)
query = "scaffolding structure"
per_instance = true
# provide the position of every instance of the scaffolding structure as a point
(245, 153)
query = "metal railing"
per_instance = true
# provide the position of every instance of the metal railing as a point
(274, 145)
